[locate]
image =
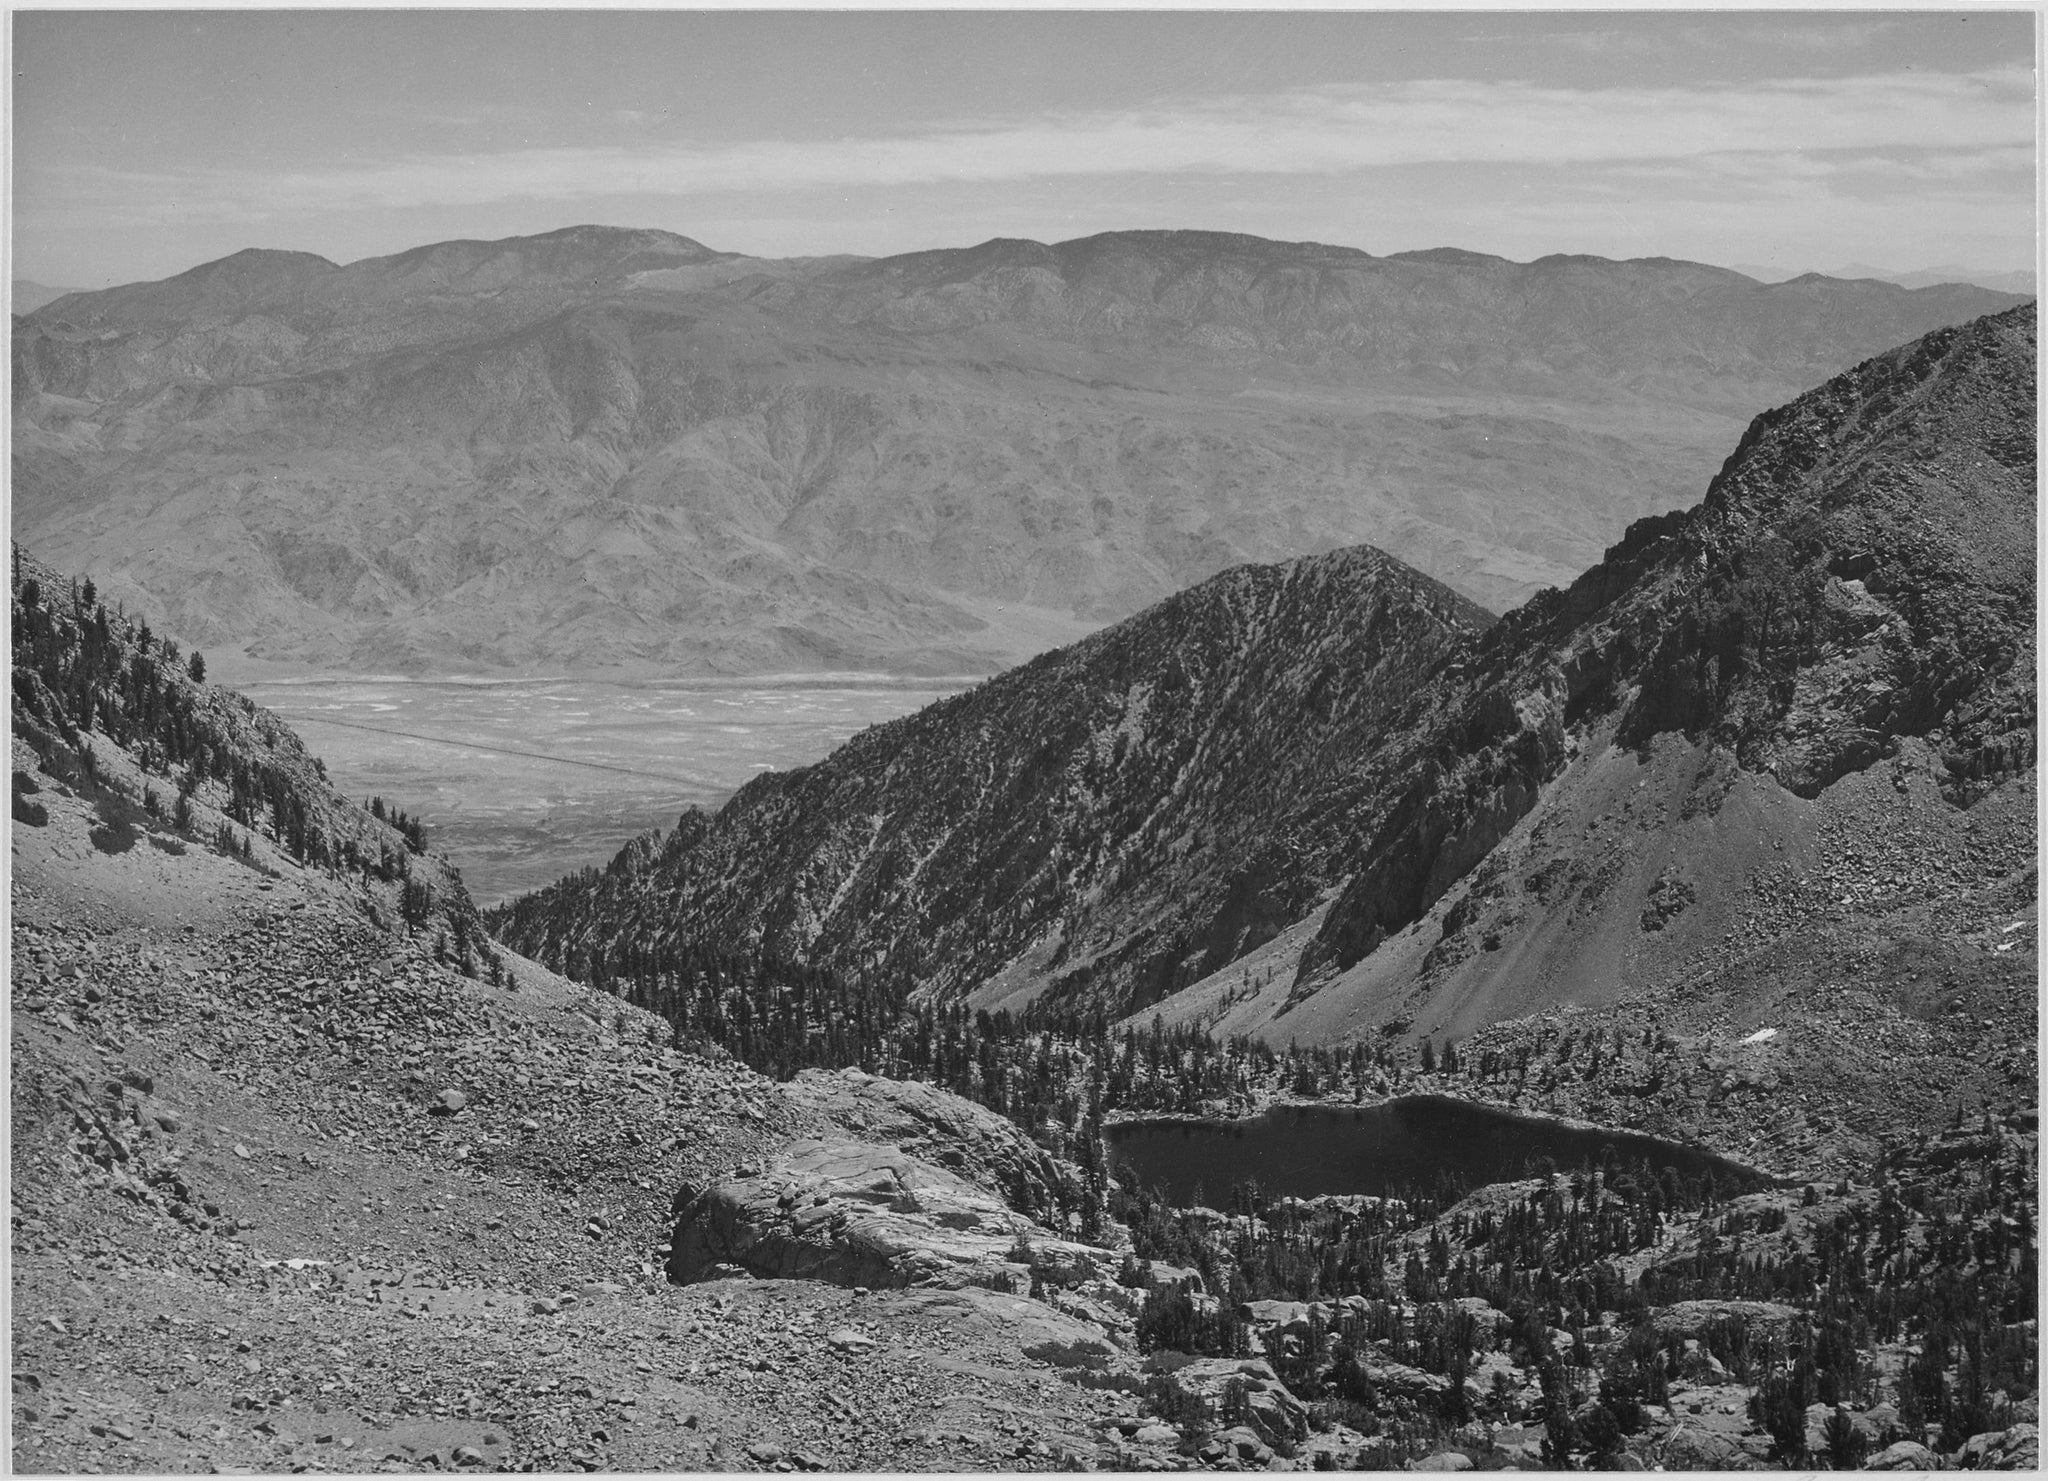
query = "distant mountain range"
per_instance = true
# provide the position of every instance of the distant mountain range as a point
(605, 448)
(29, 295)
(2021, 281)
(1761, 741)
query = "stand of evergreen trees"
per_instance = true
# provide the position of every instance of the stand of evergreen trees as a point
(81, 670)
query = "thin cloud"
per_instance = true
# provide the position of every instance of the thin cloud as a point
(1316, 131)
(1611, 43)
(1811, 36)
(1822, 36)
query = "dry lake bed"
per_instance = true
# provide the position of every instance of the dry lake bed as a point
(523, 781)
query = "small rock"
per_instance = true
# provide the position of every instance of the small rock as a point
(448, 1102)
(1906, 1455)
(766, 1453)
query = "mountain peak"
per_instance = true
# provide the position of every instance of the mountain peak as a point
(1859, 580)
(1151, 765)
(571, 254)
(226, 287)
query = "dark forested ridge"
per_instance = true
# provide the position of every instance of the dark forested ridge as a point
(1119, 817)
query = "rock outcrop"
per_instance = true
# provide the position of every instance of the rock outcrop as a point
(1235, 1390)
(2015, 1449)
(910, 1186)
(1686, 1320)
(942, 1130)
(1039, 1331)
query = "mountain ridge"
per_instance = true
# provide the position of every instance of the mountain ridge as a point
(1131, 755)
(557, 451)
(1855, 593)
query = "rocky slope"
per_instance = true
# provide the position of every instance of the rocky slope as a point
(1121, 816)
(289, 1193)
(121, 719)
(1805, 707)
(608, 447)
(1784, 733)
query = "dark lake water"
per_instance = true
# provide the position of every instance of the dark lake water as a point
(1308, 1151)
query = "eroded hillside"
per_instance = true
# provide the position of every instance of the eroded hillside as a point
(297, 1186)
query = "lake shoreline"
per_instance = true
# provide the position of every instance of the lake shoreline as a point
(1483, 1121)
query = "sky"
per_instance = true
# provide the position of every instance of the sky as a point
(147, 142)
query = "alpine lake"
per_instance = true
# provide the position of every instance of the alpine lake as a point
(1385, 1150)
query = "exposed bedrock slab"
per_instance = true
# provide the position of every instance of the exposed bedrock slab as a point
(855, 1213)
(946, 1130)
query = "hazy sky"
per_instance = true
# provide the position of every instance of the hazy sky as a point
(145, 143)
